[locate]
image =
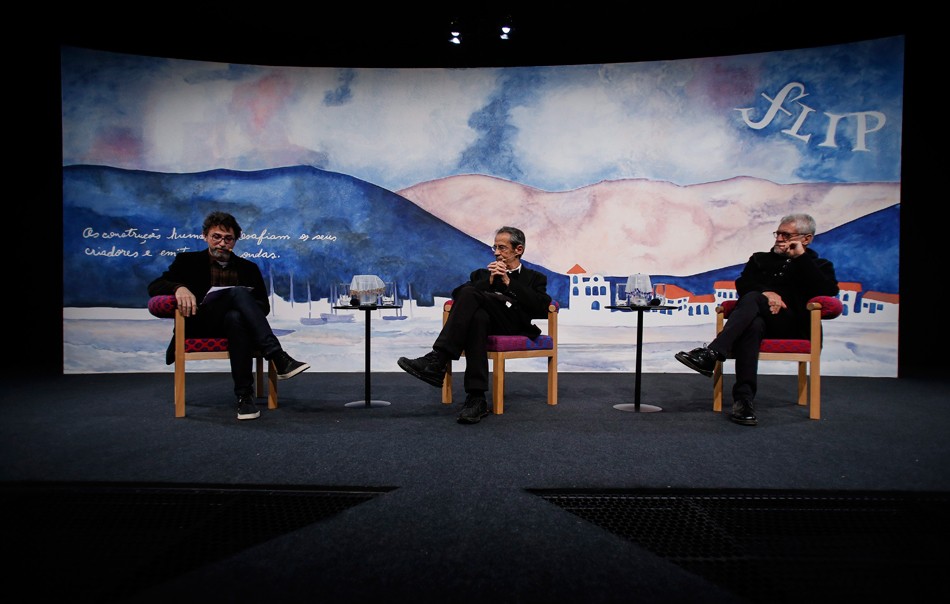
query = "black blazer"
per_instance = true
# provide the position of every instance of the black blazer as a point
(527, 292)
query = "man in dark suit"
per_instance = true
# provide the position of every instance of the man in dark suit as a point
(238, 311)
(500, 299)
(774, 289)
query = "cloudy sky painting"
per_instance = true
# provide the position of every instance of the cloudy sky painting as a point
(552, 128)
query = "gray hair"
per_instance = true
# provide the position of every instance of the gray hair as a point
(515, 236)
(804, 223)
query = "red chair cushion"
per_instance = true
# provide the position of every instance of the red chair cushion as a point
(510, 343)
(794, 346)
(206, 344)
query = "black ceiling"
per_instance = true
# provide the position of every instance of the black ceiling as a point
(390, 37)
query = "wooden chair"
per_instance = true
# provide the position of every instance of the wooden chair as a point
(200, 349)
(502, 348)
(804, 352)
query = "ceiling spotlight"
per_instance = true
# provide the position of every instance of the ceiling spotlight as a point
(506, 27)
(456, 32)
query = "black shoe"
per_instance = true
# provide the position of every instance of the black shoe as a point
(743, 413)
(247, 408)
(702, 360)
(287, 367)
(476, 407)
(430, 369)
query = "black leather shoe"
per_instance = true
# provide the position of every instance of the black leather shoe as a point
(743, 413)
(429, 368)
(476, 407)
(702, 360)
(288, 367)
(247, 408)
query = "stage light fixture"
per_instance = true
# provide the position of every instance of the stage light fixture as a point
(456, 33)
(506, 27)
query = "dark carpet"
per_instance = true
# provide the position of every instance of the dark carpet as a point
(112, 499)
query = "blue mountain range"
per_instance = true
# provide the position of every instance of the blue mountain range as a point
(318, 228)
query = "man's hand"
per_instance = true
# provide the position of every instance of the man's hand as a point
(187, 302)
(791, 249)
(795, 249)
(775, 302)
(498, 269)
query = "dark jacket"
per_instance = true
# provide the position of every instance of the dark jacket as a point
(192, 270)
(527, 293)
(797, 280)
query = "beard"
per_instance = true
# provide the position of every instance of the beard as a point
(220, 254)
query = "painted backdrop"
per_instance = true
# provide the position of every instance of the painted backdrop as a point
(677, 169)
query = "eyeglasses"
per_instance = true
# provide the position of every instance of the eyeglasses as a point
(786, 236)
(219, 237)
(500, 248)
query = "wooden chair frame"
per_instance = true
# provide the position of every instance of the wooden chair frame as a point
(202, 349)
(804, 352)
(498, 359)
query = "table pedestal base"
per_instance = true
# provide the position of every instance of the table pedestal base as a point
(633, 408)
(368, 404)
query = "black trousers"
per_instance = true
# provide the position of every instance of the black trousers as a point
(236, 315)
(476, 314)
(749, 323)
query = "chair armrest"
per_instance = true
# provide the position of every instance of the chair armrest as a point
(163, 307)
(725, 309)
(830, 306)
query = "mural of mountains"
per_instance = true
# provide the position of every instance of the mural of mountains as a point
(654, 227)
(309, 229)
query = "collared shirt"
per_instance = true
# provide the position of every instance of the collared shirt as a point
(222, 273)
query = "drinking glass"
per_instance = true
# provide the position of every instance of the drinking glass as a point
(659, 293)
(639, 289)
(622, 299)
(343, 294)
(388, 297)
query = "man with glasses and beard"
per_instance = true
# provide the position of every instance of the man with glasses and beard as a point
(500, 299)
(773, 288)
(237, 311)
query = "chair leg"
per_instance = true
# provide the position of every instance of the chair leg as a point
(180, 388)
(814, 407)
(498, 385)
(447, 385)
(717, 387)
(271, 385)
(802, 383)
(260, 376)
(552, 381)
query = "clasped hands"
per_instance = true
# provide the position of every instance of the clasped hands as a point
(498, 268)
